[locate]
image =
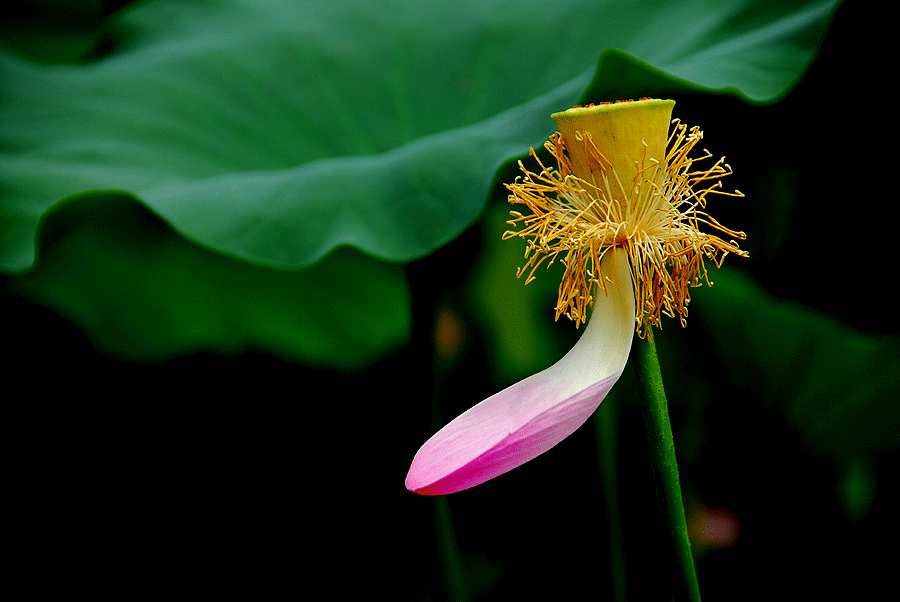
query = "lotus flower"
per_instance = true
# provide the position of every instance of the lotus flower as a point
(623, 214)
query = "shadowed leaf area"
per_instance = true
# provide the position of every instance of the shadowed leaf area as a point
(142, 292)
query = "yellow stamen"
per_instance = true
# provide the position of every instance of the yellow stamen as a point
(616, 185)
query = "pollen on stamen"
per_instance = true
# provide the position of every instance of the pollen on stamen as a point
(656, 219)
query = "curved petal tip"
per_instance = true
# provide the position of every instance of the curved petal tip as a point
(428, 474)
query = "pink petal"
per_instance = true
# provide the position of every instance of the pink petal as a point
(528, 418)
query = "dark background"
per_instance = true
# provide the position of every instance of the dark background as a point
(250, 476)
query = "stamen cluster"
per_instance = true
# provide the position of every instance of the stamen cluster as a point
(655, 218)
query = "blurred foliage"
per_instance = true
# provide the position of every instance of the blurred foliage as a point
(835, 386)
(152, 292)
(53, 31)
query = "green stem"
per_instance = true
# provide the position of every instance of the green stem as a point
(665, 470)
(606, 428)
(452, 561)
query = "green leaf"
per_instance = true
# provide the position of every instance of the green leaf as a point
(143, 293)
(836, 387)
(274, 132)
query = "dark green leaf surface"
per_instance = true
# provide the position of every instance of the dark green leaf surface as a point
(837, 388)
(152, 294)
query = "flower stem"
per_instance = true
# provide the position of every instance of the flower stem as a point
(665, 471)
(606, 428)
(452, 561)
